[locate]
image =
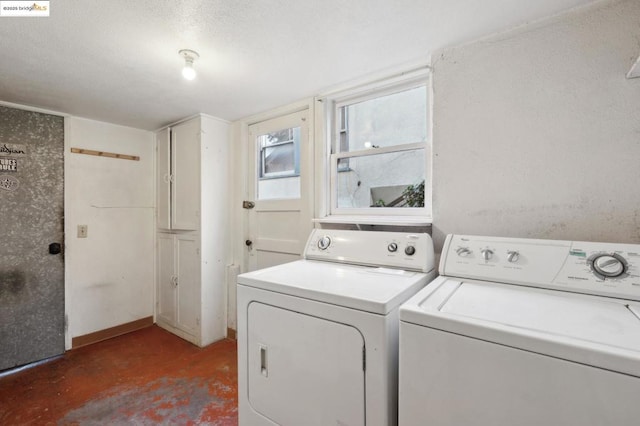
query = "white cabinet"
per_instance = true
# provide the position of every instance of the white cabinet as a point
(178, 289)
(178, 177)
(193, 228)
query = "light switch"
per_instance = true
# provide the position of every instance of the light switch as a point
(82, 231)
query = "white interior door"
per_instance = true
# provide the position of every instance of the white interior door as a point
(281, 189)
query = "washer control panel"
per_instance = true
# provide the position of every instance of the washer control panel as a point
(410, 251)
(586, 267)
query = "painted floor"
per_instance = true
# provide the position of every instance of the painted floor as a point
(147, 377)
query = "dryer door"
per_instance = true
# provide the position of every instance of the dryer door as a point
(304, 370)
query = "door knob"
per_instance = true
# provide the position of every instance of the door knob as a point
(55, 248)
(248, 243)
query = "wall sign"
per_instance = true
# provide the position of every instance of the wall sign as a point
(12, 149)
(8, 165)
(9, 183)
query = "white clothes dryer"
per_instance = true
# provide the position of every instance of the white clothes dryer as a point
(318, 337)
(524, 332)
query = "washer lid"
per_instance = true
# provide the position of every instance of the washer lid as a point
(377, 290)
(593, 330)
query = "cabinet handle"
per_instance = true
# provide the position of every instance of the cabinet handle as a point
(171, 178)
(174, 280)
(165, 178)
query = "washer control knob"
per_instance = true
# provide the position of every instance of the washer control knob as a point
(392, 247)
(410, 250)
(513, 256)
(487, 254)
(463, 251)
(324, 242)
(609, 265)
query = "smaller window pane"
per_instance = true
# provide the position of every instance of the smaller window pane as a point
(284, 135)
(279, 159)
(279, 164)
(390, 120)
(279, 153)
(383, 180)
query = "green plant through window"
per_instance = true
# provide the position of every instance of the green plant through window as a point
(414, 195)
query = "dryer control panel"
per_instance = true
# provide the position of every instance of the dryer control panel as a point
(409, 251)
(584, 267)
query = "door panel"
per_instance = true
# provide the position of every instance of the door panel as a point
(166, 279)
(188, 290)
(281, 187)
(271, 258)
(163, 178)
(304, 370)
(185, 170)
(31, 205)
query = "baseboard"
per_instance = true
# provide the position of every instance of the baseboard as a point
(108, 333)
(180, 333)
(231, 334)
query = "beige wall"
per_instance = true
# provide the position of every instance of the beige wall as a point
(109, 274)
(537, 131)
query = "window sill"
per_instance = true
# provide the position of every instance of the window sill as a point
(377, 220)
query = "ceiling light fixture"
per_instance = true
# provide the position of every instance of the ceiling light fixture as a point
(189, 56)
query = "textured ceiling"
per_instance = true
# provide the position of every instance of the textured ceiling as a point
(117, 60)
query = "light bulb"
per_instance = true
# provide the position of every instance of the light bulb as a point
(188, 72)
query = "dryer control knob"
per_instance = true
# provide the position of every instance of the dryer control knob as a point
(324, 242)
(513, 256)
(463, 251)
(410, 250)
(487, 254)
(392, 247)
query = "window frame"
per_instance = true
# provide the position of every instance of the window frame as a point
(333, 104)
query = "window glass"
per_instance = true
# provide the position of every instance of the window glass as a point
(393, 179)
(394, 119)
(279, 164)
(279, 153)
(279, 159)
(379, 150)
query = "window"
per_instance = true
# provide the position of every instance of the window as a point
(277, 155)
(379, 150)
(280, 153)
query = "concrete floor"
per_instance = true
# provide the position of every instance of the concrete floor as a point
(147, 377)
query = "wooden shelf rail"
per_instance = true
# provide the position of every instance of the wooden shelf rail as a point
(105, 154)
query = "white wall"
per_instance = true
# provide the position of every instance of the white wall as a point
(110, 274)
(537, 131)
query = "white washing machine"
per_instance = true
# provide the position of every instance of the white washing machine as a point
(318, 337)
(524, 332)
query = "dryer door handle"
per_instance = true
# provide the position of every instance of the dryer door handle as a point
(263, 361)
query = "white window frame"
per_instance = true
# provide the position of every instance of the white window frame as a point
(295, 142)
(378, 215)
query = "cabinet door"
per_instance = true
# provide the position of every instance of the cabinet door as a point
(166, 279)
(188, 288)
(163, 179)
(185, 166)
